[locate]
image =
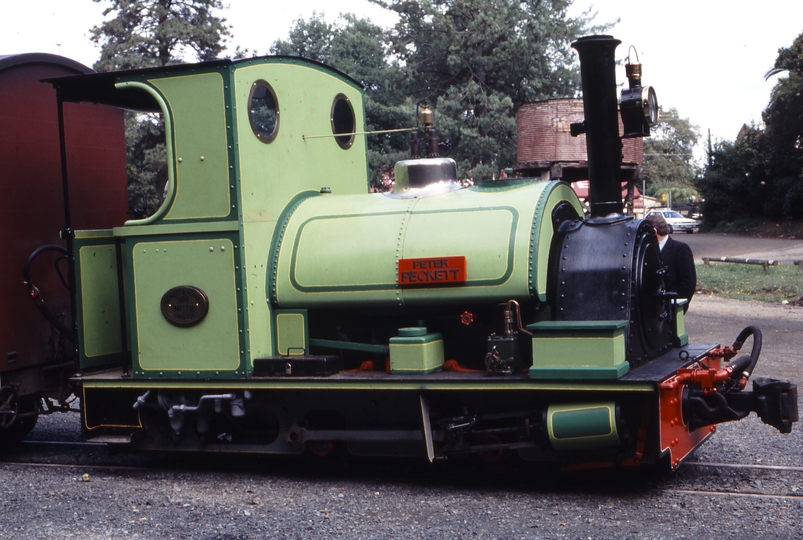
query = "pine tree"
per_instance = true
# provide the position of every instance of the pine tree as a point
(155, 33)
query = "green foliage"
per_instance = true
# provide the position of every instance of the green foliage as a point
(309, 39)
(668, 157)
(154, 33)
(752, 177)
(760, 175)
(481, 144)
(473, 61)
(749, 282)
(146, 162)
(732, 184)
(477, 61)
(784, 114)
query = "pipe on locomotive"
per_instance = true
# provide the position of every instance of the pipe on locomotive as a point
(601, 124)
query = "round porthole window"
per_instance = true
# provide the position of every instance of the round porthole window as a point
(263, 111)
(343, 121)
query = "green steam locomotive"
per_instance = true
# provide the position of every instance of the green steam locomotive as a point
(273, 305)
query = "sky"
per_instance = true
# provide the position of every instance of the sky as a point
(706, 58)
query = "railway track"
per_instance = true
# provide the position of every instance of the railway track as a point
(155, 496)
(744, 466)
(695, 478)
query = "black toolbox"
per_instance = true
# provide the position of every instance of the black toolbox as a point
(297, 366)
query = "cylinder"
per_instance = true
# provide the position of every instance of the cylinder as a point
(600, 104)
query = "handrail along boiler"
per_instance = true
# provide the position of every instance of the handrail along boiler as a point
(273, 305)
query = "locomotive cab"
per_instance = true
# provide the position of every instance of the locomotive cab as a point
(236, 154)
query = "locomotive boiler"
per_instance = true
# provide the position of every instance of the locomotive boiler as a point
(271, 304)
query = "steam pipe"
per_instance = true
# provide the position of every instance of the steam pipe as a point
(601, 108)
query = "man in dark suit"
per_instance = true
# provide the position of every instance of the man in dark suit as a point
(678, 260)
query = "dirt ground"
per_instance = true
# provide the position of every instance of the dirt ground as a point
(718, 320)
(783, 250)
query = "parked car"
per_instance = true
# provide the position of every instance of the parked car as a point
(677, 222)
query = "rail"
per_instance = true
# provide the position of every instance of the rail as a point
(766, 263)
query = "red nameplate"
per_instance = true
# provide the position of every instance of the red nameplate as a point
(432, 271)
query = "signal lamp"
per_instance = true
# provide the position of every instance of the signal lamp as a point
(638, 105)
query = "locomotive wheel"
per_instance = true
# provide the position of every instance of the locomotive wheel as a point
(13, 426)
(25, 424)
(491, 456)
(9, 407)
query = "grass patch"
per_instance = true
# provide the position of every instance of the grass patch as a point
(749, 282)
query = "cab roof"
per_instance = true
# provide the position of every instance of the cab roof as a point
(101, 88)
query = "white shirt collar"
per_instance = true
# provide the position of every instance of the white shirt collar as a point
(662, 243)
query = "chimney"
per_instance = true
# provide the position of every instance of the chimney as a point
(601, 124)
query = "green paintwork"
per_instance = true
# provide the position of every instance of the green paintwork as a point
(94, 234)
(413, 331)
(541, 237)
(292, 334)
(271, 175)
(98, 300)
(391, 384)
(416, 354)
(681, 337)
(211, 345)
(582, 426)
(344, 251)
(176, 229)
(200, 142)
(100, 310)
(167, 118)
(578, 328)
(194, 109)
(558, 372)
(503, 185)
(578, 349)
